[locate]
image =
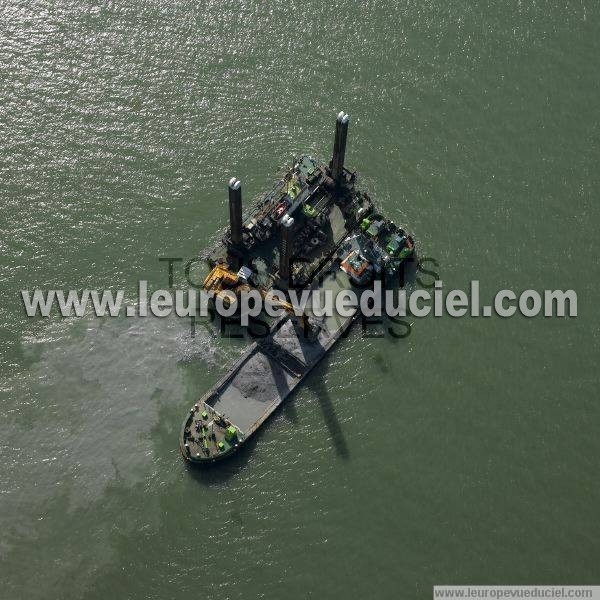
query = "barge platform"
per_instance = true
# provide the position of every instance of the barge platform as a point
(315, 230)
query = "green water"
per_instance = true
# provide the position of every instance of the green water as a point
(465, 453)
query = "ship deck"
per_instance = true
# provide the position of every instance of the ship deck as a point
(319, 234)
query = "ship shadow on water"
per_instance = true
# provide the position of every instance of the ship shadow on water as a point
(316, 383)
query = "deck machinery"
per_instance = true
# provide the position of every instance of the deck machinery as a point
(313, 226)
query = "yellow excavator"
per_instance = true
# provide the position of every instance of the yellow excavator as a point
(221, 279)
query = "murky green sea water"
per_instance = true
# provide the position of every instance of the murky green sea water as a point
(465, 453)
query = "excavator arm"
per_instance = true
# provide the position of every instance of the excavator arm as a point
(221, 279)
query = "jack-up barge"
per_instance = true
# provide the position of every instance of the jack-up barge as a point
(314, 230)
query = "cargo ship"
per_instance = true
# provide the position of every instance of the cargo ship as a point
(314, 230)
